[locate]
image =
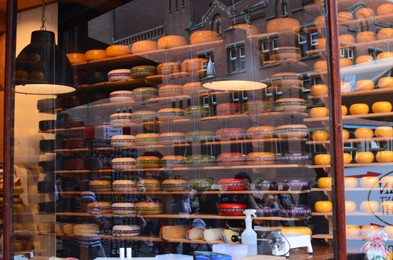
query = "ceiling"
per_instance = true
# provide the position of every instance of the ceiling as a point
(24, 4)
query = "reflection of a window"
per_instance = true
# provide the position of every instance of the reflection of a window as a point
(284, 9)
(307, 40)
(267, 46)
(236, 58)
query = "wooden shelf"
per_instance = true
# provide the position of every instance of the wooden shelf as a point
(136, 192)
(114, 85)
(322, 236)
(349, 117)
(354, 140)
(352, 165)
(181, 216)
(356, 93)
(193, 168)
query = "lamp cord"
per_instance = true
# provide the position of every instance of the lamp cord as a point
(43, 16)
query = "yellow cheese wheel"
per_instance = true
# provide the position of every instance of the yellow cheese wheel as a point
(364, 133)
(347, 158)
(344, 110)
(345, 86)
(350, 206)
(323, 206)
(364, 157)
(359, 109)
(320, 135)
(350, 182)
(325, 182)
(318, 112)
(345, 134)
(321, 159)
(371, 206)
(321, 43)
(389, 231)
(295, 230)
(319, 89)
(384, 131)
(352, 230)
(385, 55)
(384, 156)
(320, 65)
(368, 181)
(95, 55)
(381, 107)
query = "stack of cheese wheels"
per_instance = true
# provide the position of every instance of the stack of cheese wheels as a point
(233, 184)
(291, 131)
(149, 185)
(171, 41)
(117, 50)
(173, 161)
(123, 208)
(287, 79)
(143, 71)
(120, 96)
(95, 54)
(284, 24)
(260, 158)
(172, 138)
(143, 115)
(170, 114)
(126, 230)
(149, 207)
(231, 159)
(98, 207)
(194, 64)
(174, 185)
(123, 185)
(290, 104)
(143, 46)
(203, 36)
(148, 161)
(86, 230)
(170, 90)
(286, 53)
(144, 93)
(100, 185)
(123, 141)
(167, 68)
(231, 133)
(147, 139)
(123, 163)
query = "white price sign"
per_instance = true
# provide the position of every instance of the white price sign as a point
(111, 130)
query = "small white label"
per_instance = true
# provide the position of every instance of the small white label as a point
(111, 130)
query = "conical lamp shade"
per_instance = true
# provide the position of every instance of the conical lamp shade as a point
(42, 68)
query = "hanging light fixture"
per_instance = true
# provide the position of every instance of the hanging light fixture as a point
(42, 68)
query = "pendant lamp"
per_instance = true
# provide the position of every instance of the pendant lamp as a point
(42, 68)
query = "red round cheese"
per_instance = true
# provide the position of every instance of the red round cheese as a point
(232, 184)
(231, 209)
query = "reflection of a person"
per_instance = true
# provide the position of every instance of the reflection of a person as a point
(86, 248)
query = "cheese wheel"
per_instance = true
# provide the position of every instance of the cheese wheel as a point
(291, 131)
(173, 232)
(76, 57)
(385, 33)
(212, 234)
(232, 133)
(149, 208)
(385, 82)
(149, 185)
(352, 230)
(126, 230)
(148, 161)
(385, 8)
(364, 58)
(174, 185)
(323, 206)
(384, 131)
(364, 157)
(117, 50)
(193, 88)
(282, 24)
(260, 158)
(385, 55)
(170, 113)
(195, 233)
(194, 64)
(144, 46)
(123, 185)
(365, 36)
(344, 16)
(123, 163)
(365, 12)
(170, 138)
(96, 54)
(260, 132)
(170, 90)
(167, 68)
(364, 133)
(203, 36)
(173, 161)
(290, 104)
(147, 139)
(171, 41)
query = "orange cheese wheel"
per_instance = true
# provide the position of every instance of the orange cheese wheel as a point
(282, 24)
(385, 33)
(365, 36)
(344, 110)
(364, 12)
(144, 46)
(203, 36)
(95, 55)
(320, 135)
(385, 55)
(346, 38)
(345, 134)
(364, 84)
(363, 58)
(319, 89)
(385, 82)
(76, 57)
(344, 16)
(320, 65)
(321, 43)
(385, 8)
(117, 50)
(347, 158)
(318, 112)
(171, 41)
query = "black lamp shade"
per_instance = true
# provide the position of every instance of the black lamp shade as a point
(42, 68)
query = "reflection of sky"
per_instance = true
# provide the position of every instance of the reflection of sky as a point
(358, 197)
